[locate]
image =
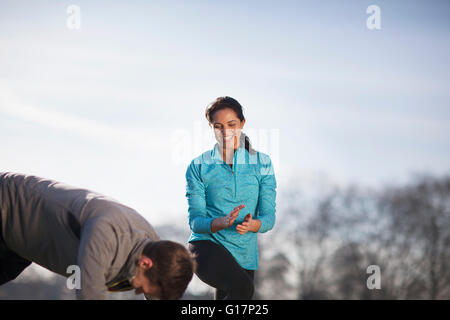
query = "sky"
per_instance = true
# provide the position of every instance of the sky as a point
(117, 105)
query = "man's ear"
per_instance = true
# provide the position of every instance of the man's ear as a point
(145, 262)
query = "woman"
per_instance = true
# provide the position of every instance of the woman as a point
(231, 197)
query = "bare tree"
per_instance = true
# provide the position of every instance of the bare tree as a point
(420, 228)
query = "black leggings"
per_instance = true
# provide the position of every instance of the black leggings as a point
(218, 268)
(11, 265)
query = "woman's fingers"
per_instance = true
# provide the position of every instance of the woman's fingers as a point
(243, 226)
(235, 211)
(238, 207)
(241, 230)
(232, 216)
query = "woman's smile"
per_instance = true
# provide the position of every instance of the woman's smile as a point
(228, 138)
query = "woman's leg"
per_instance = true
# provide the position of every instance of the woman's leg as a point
(218, 268)
(221, 294)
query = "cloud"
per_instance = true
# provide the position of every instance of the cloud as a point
(133, 138)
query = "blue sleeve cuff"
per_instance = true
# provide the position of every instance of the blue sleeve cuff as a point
(201, 225)
(267, 223)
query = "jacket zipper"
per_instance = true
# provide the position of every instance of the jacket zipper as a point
(232, 172)
(234, 176)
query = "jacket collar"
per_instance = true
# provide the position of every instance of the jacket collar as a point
(239, 152)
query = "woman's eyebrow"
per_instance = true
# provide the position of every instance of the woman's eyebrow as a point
(227, 122)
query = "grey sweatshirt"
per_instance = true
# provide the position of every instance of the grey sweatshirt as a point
(56, 225)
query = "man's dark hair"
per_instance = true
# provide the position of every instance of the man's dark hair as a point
(172, 269)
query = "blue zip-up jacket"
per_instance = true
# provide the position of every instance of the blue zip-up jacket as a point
(213, 189)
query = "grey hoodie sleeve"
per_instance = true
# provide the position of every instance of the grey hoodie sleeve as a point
(95, 256)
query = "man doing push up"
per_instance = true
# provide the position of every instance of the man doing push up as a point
(56, 226)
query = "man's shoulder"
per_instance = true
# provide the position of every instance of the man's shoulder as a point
(109, 211)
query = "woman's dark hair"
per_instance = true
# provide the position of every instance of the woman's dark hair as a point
(228, 102)
(172, 269)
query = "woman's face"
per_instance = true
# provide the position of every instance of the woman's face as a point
(227, 128)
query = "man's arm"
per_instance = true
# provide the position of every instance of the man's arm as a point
(95, 255)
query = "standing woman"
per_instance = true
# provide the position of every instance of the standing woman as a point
(231, 196)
